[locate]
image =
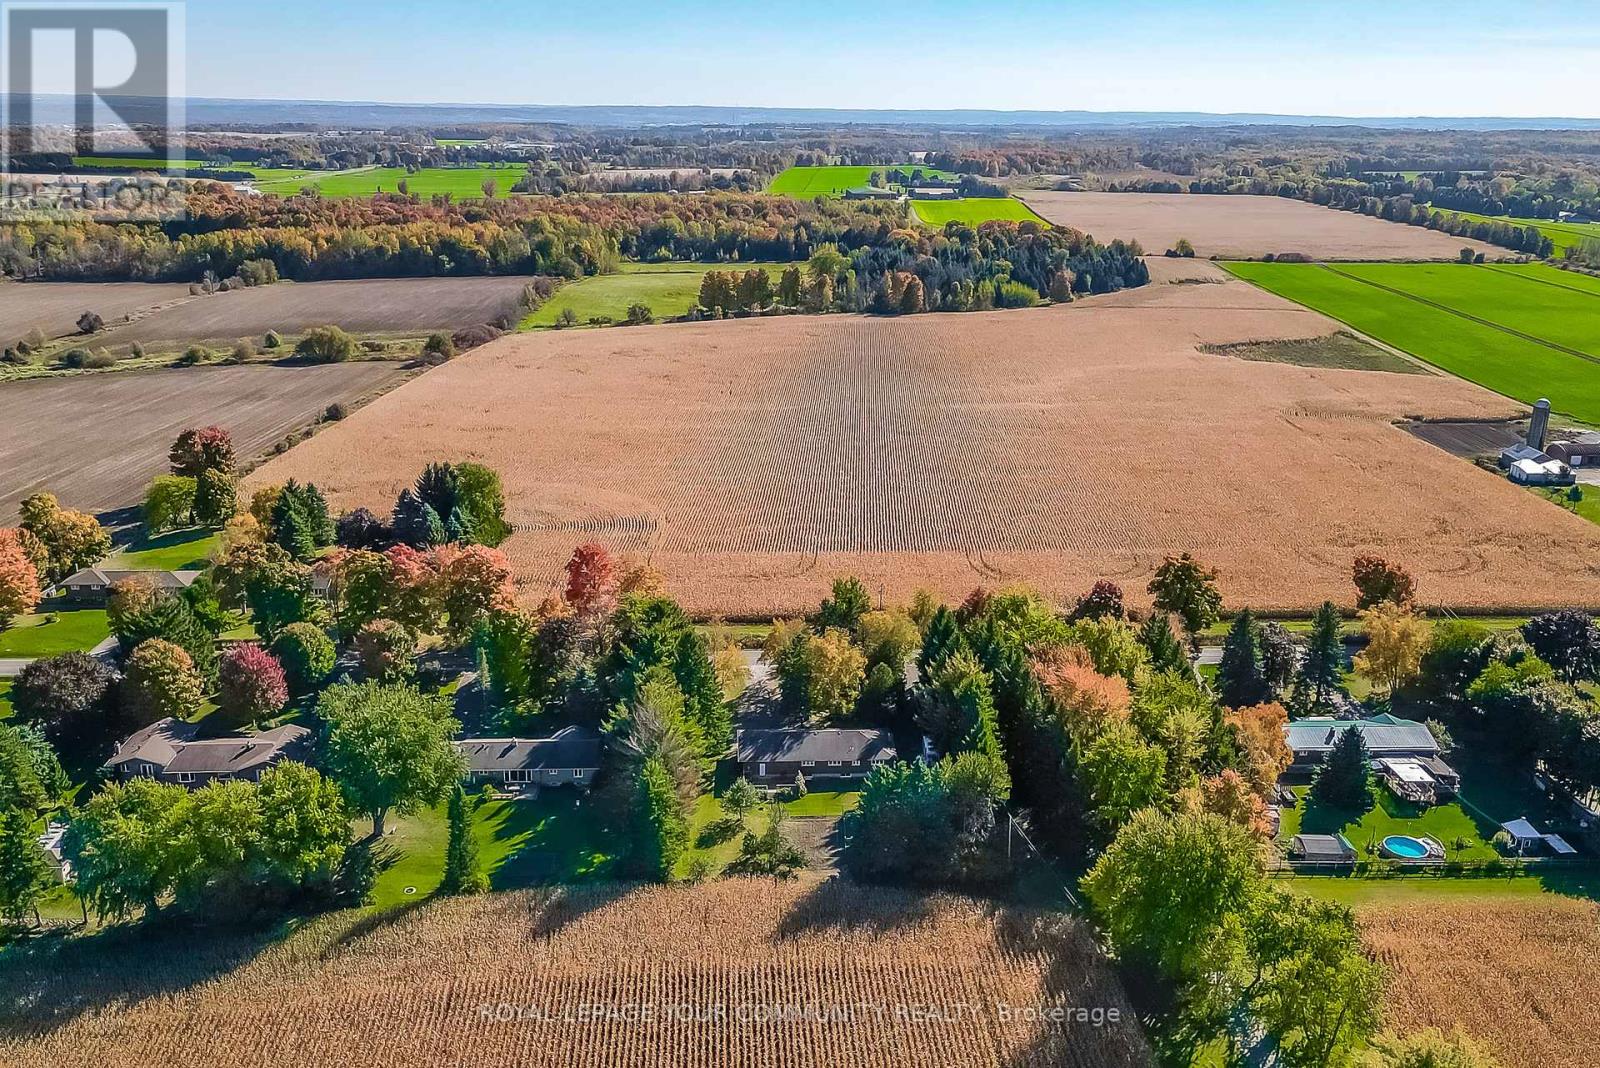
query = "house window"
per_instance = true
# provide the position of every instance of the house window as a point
(186, 776)
(808, 763)
(835, 763)
(554, 773)
(519, 776)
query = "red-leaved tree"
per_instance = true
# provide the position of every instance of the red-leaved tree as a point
(207, 448)
(19, 579)
(1378, 581)
(253, 683)
(591, 580)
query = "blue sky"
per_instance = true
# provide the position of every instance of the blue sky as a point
(1470, 57)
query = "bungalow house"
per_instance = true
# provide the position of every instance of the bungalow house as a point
(169, 750)
(569, 757)
(775, 757)
(1404, 752)
(92, 585)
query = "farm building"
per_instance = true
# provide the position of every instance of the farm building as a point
(1546, 472)
(775, 757)
(870, 192)
(169, 750)
(570, 757)
(1404, 752)
(92, 585)
(1581, 451)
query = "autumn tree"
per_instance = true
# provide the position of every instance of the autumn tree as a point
(253, 686)
(1377, 581)
(19, 578)
(1263, 739)
(1188, 589)
(473, 582)
(201, 449)
(159, 680)
(1397, 638)
(70, 540)
(820, 675)
(591, 581)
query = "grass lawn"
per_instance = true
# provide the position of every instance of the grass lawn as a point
(178, 550)
(1564, 235)
(974, 211)
(833, 181)
(708, 810)
(1348, 890)
(460, 182)
(1587, 505)
(520, 843)
(1526, 334)
(5, 698)
(74, 630)
(670, 289)
(1449, 823)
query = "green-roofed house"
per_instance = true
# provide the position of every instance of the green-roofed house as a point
(1405, 753)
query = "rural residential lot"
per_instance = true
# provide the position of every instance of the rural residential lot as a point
(754, 461)
(1243, 227)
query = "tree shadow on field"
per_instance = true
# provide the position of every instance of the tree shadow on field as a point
(551, 910)
(843, 906)
(46, 983)
(1099, 1023)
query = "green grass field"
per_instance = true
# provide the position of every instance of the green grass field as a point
(74, 630)
(810, 182)
(1528, 332)
(1587, 505)
(1565, 235)
(974, 211)
(1449, 823)
(461, 182)
(136, 162)
(5, 698)
(180, 550)
(670, 289)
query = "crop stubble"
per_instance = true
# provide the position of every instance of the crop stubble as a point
(754, 461)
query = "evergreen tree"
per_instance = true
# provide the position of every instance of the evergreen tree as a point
(415, 523)
(1345, 779)
(1279, 658)
(944, 638)
(1166, 651)
(457, 528)
(1323, 668)
(293, 529)
(1240, 678)
(462, 872)
(440, 488)
(661, 827)
(24, 871)
(172, 619)
(702, 693)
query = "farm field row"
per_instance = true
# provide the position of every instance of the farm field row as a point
(668, 289)
(735, 972)
(975, 211)
(753, 461)
(1528, 332)
(461, 182)
(1564, 235)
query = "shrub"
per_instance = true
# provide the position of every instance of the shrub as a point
(473, 336)
(273, 340)
(567, 318)
(76, 358)
(90, 323)
(639, 314)
(243, 349)
(335, 412)
(258, 272)
(136, 351)
(194, 354)
(326, 344)
(385, 648)
(306, 654)
(67, 696)
(442, 344)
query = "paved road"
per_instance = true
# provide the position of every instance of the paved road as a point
(11, 668)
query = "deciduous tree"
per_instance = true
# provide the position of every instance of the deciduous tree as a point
(159, 680)
(1396, 640)
(389, 747)
(19, 578)
(1188, 589)
(253, 686)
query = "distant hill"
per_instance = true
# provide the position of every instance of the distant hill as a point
(207, 111)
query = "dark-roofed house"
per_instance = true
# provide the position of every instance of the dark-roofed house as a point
(92, 585)
(1405, 753)
(569, 757)
(169, 750)
(775, 757)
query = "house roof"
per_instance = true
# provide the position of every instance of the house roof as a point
(1522, 451)
(99, 576)
(171, 745)
(158, 743)
(820, 746)
(1521, 829)
(568, 748)
(1323, 846)
(1383, 734)
(238, 753)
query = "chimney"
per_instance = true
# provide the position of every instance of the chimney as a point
(1539, 425)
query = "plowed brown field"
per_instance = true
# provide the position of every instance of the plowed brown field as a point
(754, 461)
(735, 974)
(1245, 227)
(1517, 974)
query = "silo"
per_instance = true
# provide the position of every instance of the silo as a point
(1539, 425)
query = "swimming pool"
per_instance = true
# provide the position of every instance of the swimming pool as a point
(1405, 847)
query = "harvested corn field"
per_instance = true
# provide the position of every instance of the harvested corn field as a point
(734, 973)
(754, 461)
(1517, 973)
(1246, 227)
